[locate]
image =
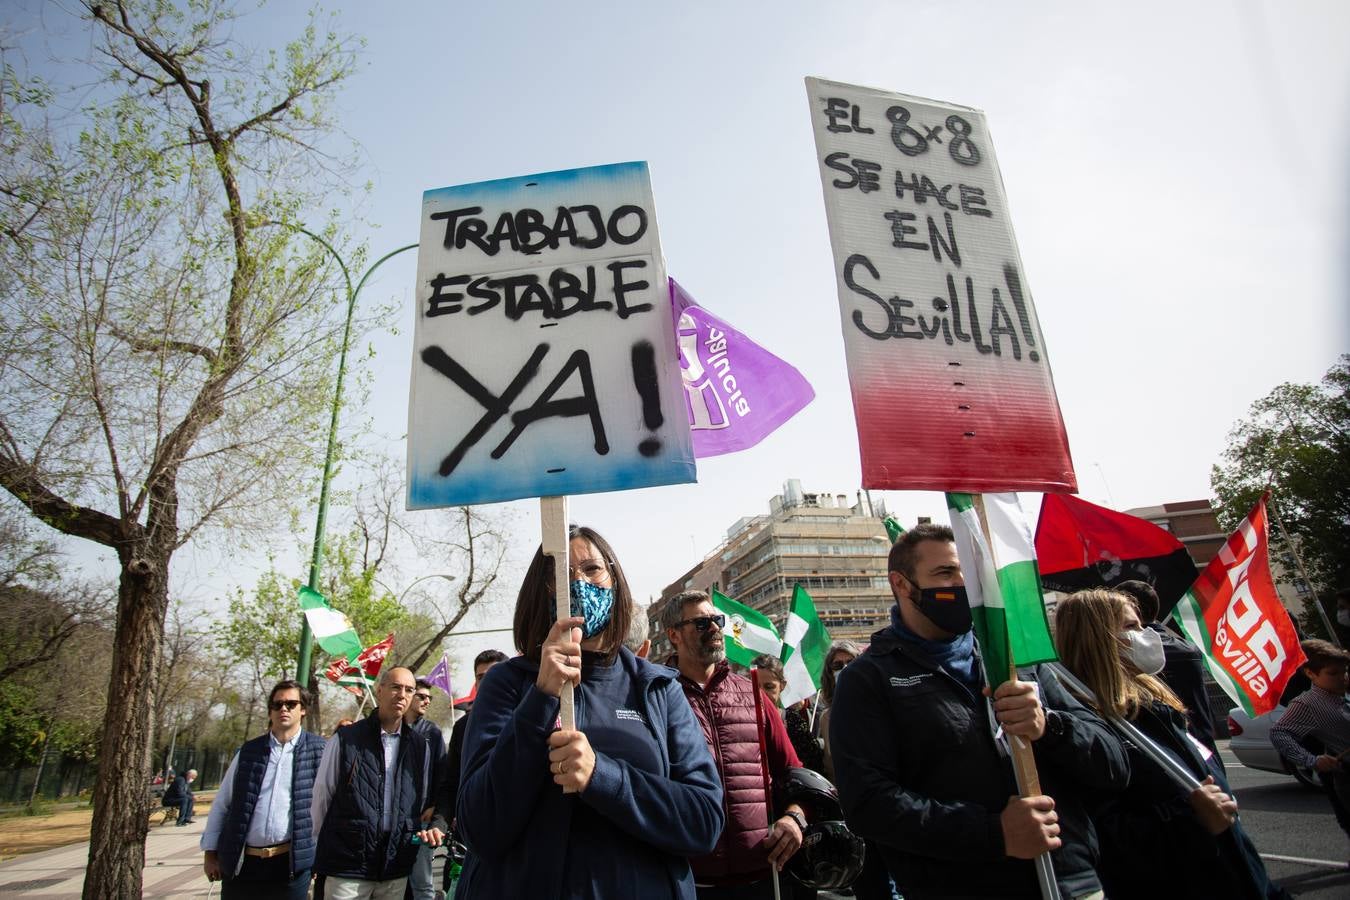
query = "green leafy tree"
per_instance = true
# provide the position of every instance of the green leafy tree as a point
(1296, 442)
(166, 337)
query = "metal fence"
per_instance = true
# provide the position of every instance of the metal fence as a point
(66, 777)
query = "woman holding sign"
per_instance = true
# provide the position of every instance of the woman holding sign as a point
(1155, 836)
(613, 809)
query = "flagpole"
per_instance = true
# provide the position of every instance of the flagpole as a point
(1303, 573)
(1023, 757)
(764, 770)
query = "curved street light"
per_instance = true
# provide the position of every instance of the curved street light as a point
(316, 560)
(413, 583)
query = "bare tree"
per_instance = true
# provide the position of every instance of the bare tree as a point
(165, 338)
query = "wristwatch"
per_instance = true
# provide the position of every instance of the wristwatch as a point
(798, 818)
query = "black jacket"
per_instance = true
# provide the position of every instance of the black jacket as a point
(920, 774)
(1184, 672)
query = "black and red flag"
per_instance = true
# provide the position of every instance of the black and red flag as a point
(1081, 545)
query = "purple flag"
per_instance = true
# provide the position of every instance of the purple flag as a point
(736, 392)
(440, 676)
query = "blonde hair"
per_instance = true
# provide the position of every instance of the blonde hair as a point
(1087, 628)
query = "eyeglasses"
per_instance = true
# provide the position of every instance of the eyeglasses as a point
(703, 623)
(593, 570)
(422, 696)
(837, 665)
(278, 705)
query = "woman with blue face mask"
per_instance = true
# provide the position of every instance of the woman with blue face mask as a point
(611, 809)
(1157, 839)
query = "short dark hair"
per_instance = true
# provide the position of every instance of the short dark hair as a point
(422, 683)
(1322, 653)
(535, 612)
(905, 551)
(771, 665)
(673, 612)
(290, 684)
(489, 656)
(1144, 597)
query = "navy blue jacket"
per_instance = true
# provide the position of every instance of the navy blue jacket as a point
(350, 842)
(520, 827)
(248, 779)
(919, 773)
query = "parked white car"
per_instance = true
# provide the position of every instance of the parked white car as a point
(1249, 739)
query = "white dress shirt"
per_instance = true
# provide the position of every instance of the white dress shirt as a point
(271, 822)
(326, 783)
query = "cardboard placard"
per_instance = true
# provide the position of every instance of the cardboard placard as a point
(544, 363)
(948, 368)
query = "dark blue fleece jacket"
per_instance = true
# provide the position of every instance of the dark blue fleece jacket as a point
(653, 801)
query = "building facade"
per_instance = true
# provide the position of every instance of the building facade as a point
(834, 548)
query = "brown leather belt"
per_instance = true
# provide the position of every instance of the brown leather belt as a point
(268, 852)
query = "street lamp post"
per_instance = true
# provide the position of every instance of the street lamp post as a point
(302, 672)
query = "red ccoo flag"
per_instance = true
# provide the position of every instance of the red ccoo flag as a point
(1234, 615)
(1081, 545)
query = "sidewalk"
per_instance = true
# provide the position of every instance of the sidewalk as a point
(173, 867)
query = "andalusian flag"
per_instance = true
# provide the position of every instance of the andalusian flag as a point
(1002, 583)
(805, 643)
(893, 528)
(332, 629)
(748, 632)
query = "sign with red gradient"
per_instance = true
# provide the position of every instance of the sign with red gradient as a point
(947, 363)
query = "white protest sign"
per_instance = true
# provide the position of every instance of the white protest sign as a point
(948, 368)
(544, 360)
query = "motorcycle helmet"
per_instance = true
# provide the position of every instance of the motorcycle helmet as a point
(830, 858)
(812, 792)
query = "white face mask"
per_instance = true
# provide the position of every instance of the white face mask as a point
(1145, 650)
(1343, 616)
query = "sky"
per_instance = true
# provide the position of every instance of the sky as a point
(1176, 176)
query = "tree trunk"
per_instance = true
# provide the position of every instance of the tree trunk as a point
(117, 835)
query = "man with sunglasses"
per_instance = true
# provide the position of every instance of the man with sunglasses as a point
(258, 838)
(724, 705)
(421, 885)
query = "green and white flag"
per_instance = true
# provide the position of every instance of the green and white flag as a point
(893, 528)
(748, 633)
(1002, 583)
(332, 629)
(805, 643)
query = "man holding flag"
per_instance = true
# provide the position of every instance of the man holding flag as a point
(724, 704)
(921, 747)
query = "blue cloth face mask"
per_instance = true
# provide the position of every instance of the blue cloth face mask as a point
(592, 603)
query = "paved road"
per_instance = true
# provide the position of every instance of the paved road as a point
(1281, 816)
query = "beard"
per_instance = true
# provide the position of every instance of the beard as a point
(711, 652)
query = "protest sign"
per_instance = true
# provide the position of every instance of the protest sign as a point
(948, 368)
(544, 360)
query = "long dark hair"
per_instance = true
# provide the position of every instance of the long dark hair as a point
(536, 608)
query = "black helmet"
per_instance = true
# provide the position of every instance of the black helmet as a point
(811, 791)
(830, 857)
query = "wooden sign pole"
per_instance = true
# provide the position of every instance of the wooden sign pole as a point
(553, 514)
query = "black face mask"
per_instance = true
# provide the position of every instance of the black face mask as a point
(946, 607)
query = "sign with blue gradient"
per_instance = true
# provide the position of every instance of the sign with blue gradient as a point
(544, 363)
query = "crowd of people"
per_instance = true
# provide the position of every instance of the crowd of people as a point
(686, 779)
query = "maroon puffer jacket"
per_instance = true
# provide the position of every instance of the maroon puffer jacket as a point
(725, 709)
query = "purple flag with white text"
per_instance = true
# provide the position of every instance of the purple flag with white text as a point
(736, 392)
(440, 676)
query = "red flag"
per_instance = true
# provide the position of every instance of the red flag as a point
(1235, 616)
(339, 668)
(372, 658)
(1081, 545)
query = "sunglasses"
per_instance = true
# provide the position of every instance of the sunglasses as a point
(703, 623)
(838, 665)
(422, 696)
(278, 705)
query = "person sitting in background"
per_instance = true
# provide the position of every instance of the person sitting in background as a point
(180, 795)
(1192, 840)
